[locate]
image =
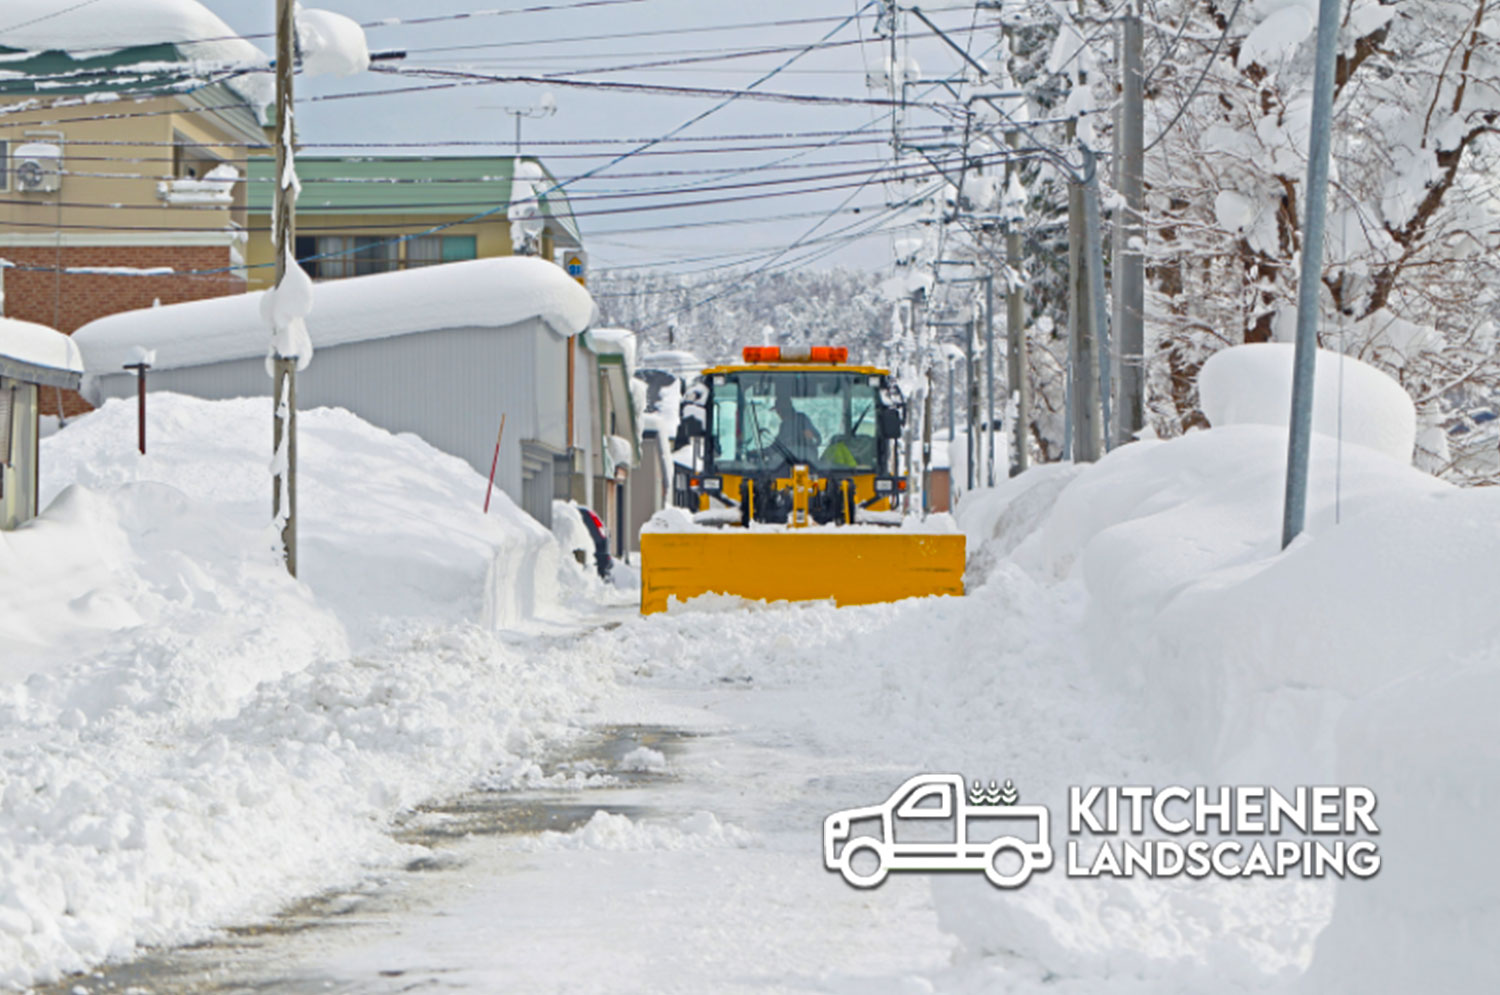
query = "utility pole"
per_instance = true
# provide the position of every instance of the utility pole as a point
(1018, 373)
(1082, 357)
(971, 404)
(1309, 282)
(951, 409)
(1130, 263)
(284, 368)
(989, 376)
(1098, 330)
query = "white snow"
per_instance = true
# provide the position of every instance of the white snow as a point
(202, 738)
(331, 44)
(83, 29)
(216, 187)
(1252, 384)
(527, 184)
(1276, 38)
(285, 308)
(38, 345)
(482, 293)
(191, 737)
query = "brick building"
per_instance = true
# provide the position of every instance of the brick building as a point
(118, 190)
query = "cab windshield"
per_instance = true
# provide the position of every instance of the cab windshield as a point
(771, 420)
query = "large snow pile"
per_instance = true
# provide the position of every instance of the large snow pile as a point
(1252, 385)
(389, 527)
(186, 738)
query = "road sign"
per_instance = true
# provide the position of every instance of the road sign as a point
(576, 262)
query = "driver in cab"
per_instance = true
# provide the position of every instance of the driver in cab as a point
(800, 441)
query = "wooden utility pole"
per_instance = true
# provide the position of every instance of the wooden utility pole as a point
(284, 368)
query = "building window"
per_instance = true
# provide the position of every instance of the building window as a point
(4, 165)
(330, 257)
(428, 250)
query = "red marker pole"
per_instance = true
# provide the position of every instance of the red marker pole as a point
(493, 463)
(140, 403)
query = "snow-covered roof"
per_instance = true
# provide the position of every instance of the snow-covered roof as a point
(479, 293)
(28, 349)
(613, 342)
(89, 29)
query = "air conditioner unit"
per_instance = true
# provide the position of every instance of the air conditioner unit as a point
(38, 167)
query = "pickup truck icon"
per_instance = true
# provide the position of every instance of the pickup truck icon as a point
(930, 824)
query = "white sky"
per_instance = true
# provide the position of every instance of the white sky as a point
(473, 113)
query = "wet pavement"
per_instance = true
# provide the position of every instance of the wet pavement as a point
(245, 959)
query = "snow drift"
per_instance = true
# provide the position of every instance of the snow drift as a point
(389, 526)
(189, 736)
(1252, 385)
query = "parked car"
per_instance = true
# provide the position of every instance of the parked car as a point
(595, 525)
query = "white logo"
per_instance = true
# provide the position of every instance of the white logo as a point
(931, 824)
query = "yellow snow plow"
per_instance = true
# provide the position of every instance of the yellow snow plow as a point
(793, 493)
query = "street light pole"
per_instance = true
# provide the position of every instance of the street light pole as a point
(1309, 282)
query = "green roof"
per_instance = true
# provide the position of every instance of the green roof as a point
(142, 67)
(451, 185)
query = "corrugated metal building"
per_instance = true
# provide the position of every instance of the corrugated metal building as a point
(442, 351)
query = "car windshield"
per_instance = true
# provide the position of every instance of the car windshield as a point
(771, 420)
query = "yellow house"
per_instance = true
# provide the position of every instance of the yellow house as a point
(359, 215)
(121, 167)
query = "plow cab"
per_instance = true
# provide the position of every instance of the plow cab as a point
(795, 492)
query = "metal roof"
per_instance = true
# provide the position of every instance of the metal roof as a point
(144, 66)
(461, 186)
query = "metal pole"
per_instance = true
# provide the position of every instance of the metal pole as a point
(1131, 262)
(140, 403)
(1309, 282)
(1099, 330)
(284, 368)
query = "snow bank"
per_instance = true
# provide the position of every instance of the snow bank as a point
(478, 293)
(1360, 655)
(389, 526)
(186, 739)
(1252, 384)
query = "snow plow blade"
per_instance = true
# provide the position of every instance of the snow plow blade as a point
(851, 568)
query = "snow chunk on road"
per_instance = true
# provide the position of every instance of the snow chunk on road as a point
(608, 831)
(1252, 384)
(644, 759)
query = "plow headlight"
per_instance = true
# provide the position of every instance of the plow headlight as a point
(884, 486)
(714, 484)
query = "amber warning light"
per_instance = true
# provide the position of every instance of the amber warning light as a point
(814, 354)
